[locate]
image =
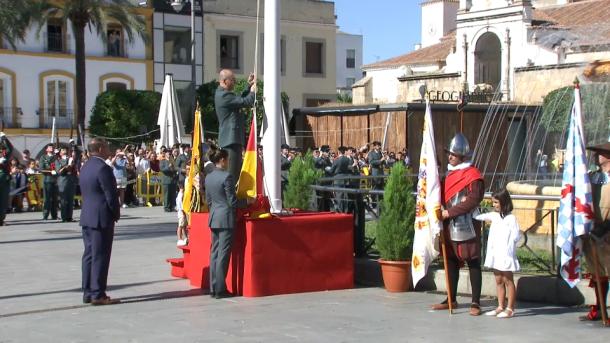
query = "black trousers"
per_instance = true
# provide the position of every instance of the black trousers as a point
(220, 253)
(474, 269)
(50, 191)
(96, 260)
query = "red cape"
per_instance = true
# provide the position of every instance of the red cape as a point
(459, 179)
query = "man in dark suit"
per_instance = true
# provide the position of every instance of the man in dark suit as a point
(341, 170)
(100, 210)
(222, 202)
(285, 164)
(376, 162)
(231, 122)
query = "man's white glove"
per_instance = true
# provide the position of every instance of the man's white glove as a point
(2, 134)
(53, 172)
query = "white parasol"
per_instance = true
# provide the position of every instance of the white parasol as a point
(170, 118)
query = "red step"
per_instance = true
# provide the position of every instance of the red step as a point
(177, 267)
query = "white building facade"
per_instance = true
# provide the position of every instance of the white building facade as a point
(37, 79)
(307, 29)
(515, 50)
(349, 61)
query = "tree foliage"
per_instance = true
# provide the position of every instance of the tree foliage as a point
(595, 101)
(15, 18)
(301, 176)
(125, 113)
(395, 228)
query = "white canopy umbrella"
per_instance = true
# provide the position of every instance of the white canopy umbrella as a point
(170, 118)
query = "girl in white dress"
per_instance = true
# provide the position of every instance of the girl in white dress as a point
(501, 256)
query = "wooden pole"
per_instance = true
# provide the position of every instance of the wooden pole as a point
(447, 281)
(598, 287)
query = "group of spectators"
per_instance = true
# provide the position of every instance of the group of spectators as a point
(59, 169)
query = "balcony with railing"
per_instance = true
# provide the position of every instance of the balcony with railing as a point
(63, 117)
(11, 116)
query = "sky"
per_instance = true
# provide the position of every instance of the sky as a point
(389, 27)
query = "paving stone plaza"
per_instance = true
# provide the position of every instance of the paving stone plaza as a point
(40, 299)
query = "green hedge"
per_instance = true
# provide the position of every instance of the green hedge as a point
(125, 113)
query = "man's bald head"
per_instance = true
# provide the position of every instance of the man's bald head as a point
(98, 147)
(226, 79)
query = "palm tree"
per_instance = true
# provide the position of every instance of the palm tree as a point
(14, 20)
(92, 15)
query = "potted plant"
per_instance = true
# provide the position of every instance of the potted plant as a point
(395, 230)
(301, 175)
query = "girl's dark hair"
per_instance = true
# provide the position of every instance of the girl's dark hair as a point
(506, 203)
(217, 155)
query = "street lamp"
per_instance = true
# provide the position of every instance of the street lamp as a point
(177, 5)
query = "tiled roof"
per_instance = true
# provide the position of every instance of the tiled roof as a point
(588, 21)
(436, 53)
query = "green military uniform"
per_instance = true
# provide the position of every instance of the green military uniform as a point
(66, 183)
(181, 162)
(169, 181)
(340, 171)
(50, 189)
(232, 126)
(285, 164)
(376, 163)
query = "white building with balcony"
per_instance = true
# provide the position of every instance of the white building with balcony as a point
(37, 79)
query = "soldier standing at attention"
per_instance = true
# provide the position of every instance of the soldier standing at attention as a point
(66, 183)
(169, 181)
(50, 190)
(181, 162)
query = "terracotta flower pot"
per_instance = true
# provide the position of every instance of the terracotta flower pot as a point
(396, 275)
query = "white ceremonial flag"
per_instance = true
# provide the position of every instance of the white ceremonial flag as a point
(428, 205)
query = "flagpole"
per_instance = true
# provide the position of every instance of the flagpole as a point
(447, 281)
(598, 287)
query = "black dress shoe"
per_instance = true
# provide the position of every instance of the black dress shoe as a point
(213, 295)
(223, 294)
(86, 300)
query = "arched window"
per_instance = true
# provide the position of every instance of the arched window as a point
(57, 99)
(487, 62)
(116, 81)
(8, 112)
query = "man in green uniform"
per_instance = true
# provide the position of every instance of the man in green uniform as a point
(231, 121)
(341, 171)
(66, 183)
(49, 169)
(169, 181)
(181, 162)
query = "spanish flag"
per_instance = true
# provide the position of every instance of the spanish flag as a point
(191, 201)
(250, 179)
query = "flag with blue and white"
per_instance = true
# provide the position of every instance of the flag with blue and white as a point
(576, 205)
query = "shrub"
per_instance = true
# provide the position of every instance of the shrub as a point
(395, 228)
(301, 175)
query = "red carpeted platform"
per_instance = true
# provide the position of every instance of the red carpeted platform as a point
(305, 252)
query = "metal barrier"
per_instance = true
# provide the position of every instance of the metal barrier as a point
(364, 205)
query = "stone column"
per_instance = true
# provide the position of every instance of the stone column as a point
(465, 71)
(507, 67)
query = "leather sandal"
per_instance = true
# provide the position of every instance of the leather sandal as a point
(444, 306)
(475, 309)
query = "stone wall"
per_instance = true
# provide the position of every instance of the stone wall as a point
(408, 88)
(532, 84)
